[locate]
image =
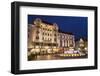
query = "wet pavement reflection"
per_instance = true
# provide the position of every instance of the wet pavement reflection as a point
(45, 57)
(52, 57)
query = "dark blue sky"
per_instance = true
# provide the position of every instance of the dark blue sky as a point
(76, 25)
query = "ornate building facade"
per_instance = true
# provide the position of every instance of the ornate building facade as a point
(44, 37)
(66, 40)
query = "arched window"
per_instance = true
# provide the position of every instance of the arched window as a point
(37, 37)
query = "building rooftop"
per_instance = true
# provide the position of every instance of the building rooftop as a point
(60, 31)
(47, 22)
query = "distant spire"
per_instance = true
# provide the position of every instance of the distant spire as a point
(81, 40)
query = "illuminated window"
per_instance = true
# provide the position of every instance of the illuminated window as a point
(50, 39)
(43, 29)
(43, 33)
(50, 35)
(37, 31)
(42, 38)
(28, 35)
(37, 43)
(54, 34)
(55, 39)
(37, 37)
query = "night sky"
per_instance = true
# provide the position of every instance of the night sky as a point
(76, 25)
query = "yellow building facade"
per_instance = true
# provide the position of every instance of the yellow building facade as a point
(44, 37)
